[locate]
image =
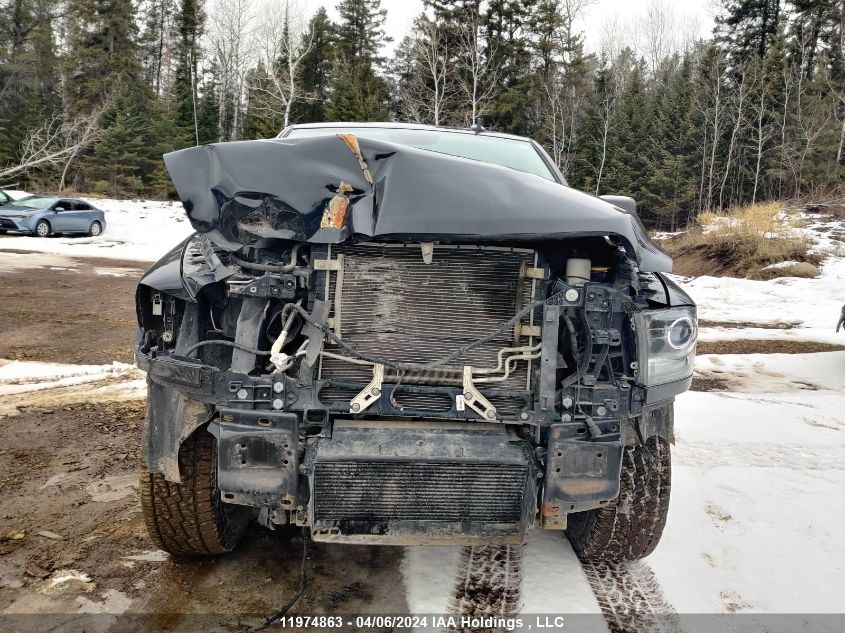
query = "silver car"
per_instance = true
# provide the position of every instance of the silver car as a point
(42, 216)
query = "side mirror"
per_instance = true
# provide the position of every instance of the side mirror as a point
(626, 203)
(59, 209)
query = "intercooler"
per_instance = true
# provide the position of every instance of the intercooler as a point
(416, 482)
(403, 303)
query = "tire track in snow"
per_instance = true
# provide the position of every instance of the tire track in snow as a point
(630, 598)
(489, 581)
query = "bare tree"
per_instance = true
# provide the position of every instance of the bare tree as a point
(810, 117)
(432, 54)
(658, 29)
(563, 94)
(232, 42)
(712, 106)
(476, 71)
(55, 143)
(284, 43)
(738, 123)
(762, 126)
(609, 95)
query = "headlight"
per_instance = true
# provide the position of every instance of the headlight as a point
(26, 217)
(666, 344)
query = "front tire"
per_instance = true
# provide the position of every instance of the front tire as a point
(189, 519)
(631, 527)
(42, 229)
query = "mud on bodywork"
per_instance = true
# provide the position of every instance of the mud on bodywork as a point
(382, 368)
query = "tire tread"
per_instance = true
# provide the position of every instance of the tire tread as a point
(631, 527)
(189, 518)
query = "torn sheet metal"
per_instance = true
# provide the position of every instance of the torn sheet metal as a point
(241, 192)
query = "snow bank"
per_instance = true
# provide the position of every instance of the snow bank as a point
(141, 230)
(757, 502)
(812, 306)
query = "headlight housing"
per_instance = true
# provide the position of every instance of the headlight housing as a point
(666, 344)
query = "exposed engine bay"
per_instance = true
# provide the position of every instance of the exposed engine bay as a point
(381, 368)
(405, 391)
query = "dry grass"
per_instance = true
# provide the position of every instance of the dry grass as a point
(798, 269)
(743, 241)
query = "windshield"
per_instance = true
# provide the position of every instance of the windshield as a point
(507, 152)
(34, 202)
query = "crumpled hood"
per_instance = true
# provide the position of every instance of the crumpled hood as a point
(327, 189)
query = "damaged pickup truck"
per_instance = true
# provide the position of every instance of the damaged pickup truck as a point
(407, 335)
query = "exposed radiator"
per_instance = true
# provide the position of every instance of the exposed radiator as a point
(387, 301)
(421, 481)
(407, 491)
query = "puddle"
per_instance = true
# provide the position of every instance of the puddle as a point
(113, 488)
(114, 602)
(152, 556)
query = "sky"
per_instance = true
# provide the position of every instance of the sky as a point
(400, 15)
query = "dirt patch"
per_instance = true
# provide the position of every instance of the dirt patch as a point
(69, 472)
(69, 315)
(747, 324)
(766, 346)
(733, 259)
(701, 383)
(832, 210)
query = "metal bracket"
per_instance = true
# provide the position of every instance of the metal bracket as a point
(266, 286)
(370, 393)
(537, 273)
(474, 400)
(326, 264)
(427, 249)
(522, 329)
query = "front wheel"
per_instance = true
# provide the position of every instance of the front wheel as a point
(42, 229)
(631, 527)
(189, 518)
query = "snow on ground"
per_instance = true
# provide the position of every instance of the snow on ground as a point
(552, 579)
(141, 230)
(808, 307)
(31, 383)
(19, 376)
(757, 502)
(759, 466)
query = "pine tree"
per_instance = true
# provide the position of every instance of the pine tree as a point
(103, 54)
(155, 41)
(316, 70)
(358, 93)
(672, 145)
(208, 110)
(507, 38)
(189, 27)
(360, 32)
(745, 27)
(630, 158)
(259, 122)
(30, 86)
